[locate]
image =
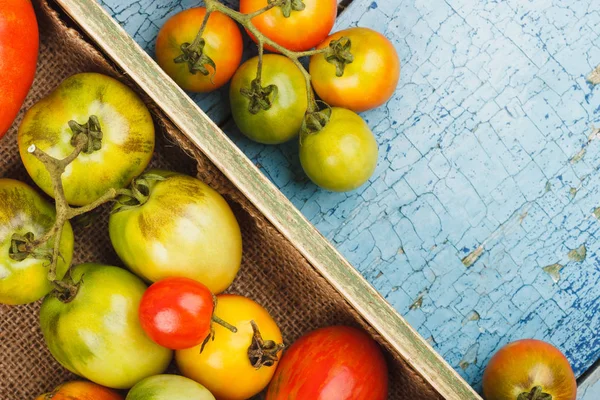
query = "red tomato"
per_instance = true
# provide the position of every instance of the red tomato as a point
(302, 30)
(19, 44)
(177, 312)
(525, 367)
(335, 363)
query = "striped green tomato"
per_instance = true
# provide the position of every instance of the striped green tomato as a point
(97, 334)
(169, 387)
(123, 136)
(24, 212)
(177, 227)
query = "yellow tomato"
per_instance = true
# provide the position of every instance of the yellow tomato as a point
(224, 367)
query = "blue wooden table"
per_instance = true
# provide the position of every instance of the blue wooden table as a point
(480, 224)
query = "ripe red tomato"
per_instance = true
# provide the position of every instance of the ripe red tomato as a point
(302, 30)
(525, 367)
(19, 44)
(223, 44)
(368, 81)
(335, 363)
(177, 312)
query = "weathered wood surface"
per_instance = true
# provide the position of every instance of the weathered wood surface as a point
(119, 46)
(487, 177)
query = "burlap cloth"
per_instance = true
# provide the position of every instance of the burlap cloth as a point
(273, 273)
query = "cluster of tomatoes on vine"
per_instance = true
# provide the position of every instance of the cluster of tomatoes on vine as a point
(272, 96)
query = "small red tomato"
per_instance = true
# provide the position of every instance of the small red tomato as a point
(19, 43)
(529, 369)
(335, 363)
(177, 313)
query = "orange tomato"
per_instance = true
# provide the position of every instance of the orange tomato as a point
(368, 82)
(302, 30)
(224, 367)
(80, 390)
(224, 46)
(522, 368)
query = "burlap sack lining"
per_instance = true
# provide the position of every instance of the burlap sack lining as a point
(274, 273)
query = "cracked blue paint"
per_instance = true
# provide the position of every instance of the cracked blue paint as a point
(488, 148)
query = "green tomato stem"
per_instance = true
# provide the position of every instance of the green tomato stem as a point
(224, 324)
(246, 21)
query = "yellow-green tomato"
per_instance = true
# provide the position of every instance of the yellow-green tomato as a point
(97, 334)
(285, 92)
(117, 123)
(182, 228)
(23, 212)
(343, 155)
(169, 387)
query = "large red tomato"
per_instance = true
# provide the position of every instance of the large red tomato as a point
(529, 369)
(335, 363)
(19, 43)
(301, 30)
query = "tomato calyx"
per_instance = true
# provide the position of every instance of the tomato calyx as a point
(91, 130)
(138, 192)
(315, 121)
(66, 290)
(339, 54)
(24, 246)
(287, 6)
(196, 59)
(261, 97)
(263, 353)
(536, 393)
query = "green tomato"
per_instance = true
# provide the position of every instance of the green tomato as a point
(343, 155)
(283, 120)
(182, 228)
(97, 334)
(23, 211)
(122, 153)
(169, 387)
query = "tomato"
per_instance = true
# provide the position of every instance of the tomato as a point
(335, 363)
(223, 45)
(343, 155)
(24, 212)
(112, 159)
(169, 387)
(288, 102)
(80, 390)
(527, 369)
(182, 228)
(19, 44)
(97, 334)
(177, 312)
(224, 366)
(302, 30)
(368, 81)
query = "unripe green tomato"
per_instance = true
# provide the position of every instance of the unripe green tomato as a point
(283, 120)
(183, 229)
(169, 387)
(343, 155)
(97, 333)
(23, 211)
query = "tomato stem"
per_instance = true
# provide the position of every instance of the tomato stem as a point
(224, 324)
(64, 211)
(536, 393)
(246, 21)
